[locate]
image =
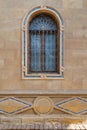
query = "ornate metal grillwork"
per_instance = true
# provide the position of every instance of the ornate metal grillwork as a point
(43, 22)
(43, 45)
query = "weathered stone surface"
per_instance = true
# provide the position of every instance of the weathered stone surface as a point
(10, 44)
(74, 14)
(73, 4)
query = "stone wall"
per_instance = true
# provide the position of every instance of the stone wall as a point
(73, 88)
(74, 14)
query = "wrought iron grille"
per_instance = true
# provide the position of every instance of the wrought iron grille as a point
(43, 47)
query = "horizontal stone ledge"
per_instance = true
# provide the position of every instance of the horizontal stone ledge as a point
(38, 93)
(36, 118)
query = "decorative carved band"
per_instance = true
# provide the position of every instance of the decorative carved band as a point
(43, 105)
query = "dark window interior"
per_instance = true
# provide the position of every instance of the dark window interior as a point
(43, 45)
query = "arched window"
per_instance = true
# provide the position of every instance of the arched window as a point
(43, 45)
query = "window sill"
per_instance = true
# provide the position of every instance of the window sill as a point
(42, 76)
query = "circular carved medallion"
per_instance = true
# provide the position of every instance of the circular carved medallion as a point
(43, 105)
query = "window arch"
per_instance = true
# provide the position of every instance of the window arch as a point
(42, 52)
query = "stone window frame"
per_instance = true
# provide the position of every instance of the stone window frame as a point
(28, 17)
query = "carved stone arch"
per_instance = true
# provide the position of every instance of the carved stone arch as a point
(28, 17)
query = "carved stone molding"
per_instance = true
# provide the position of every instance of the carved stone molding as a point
(11, 105)
(25, 41)
(43, 105)
(76, 105)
